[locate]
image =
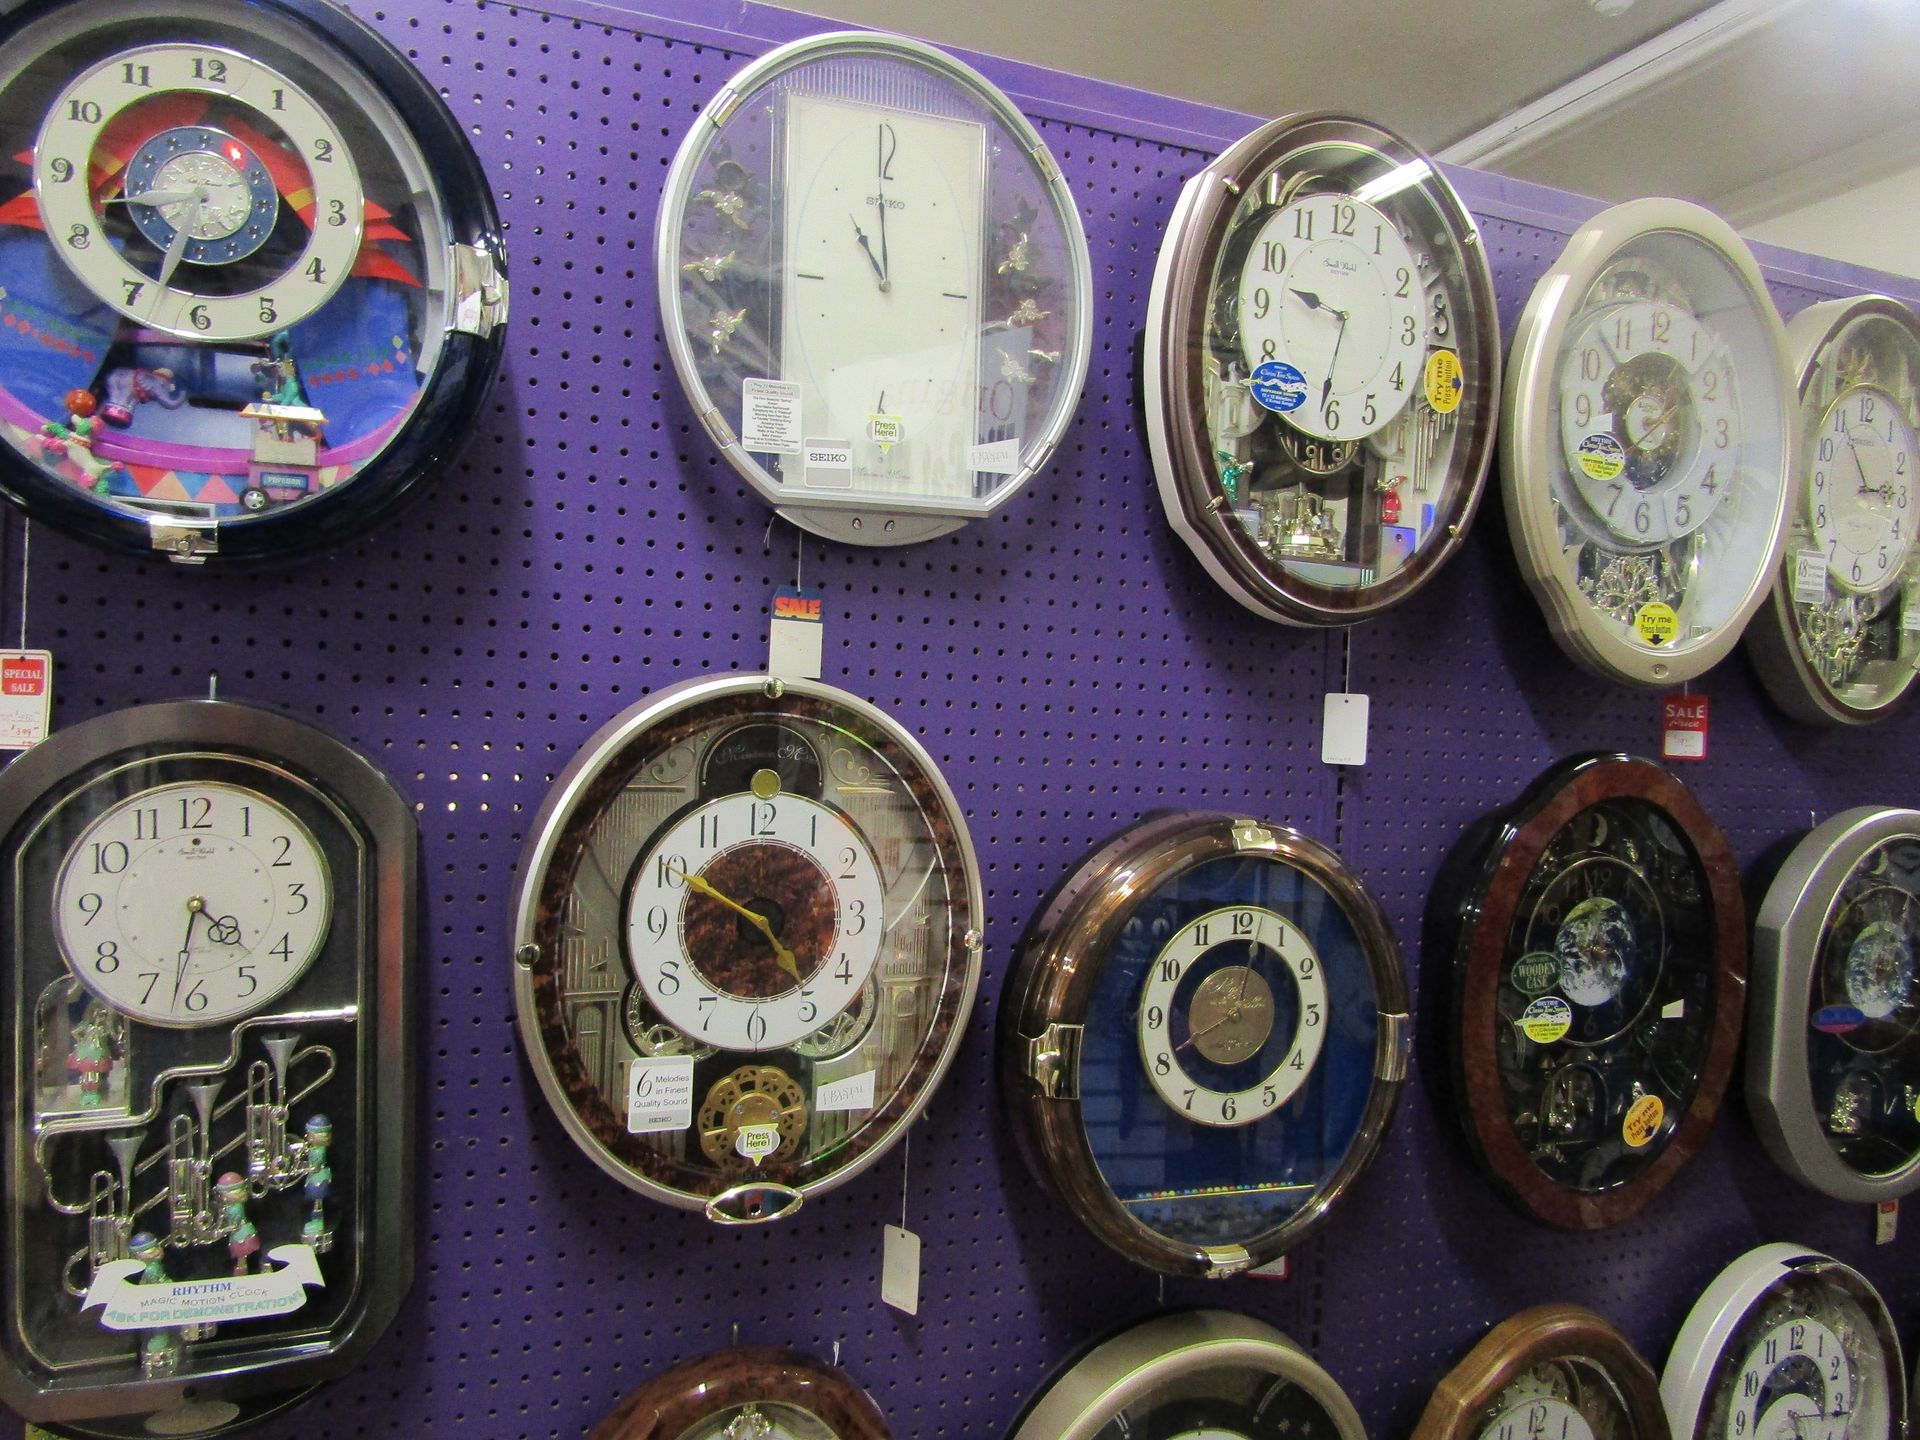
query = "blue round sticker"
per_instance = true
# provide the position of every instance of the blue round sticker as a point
(1278, 386)
(1838, 1019)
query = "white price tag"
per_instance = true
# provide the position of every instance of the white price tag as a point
(999, 457)
(1910, 617)
(1343, 730)
(1809, 577)
(770, 415)
(1886, 1221)
(26, 697)
(900, 1269)
(660, 1094)
(1674, 1010)
(853, 1093)
(796, 635)
(1278, 1269)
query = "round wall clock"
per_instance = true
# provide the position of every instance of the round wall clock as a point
(875, 287)
(1322, 369)
(748, 937)
(1600, 958)
(1786, 1342)
(1201, 1373)
(1203, 1040)
(211, 918)
(1836, 644)
(1555, 1372)
(251, 276)
(751, 1392)
(1833, 1065)
(1646, 442)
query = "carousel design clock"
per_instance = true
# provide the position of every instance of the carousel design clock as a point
(1833, 1062)
(1786, 1343)
(1203, 1040)
(1599, 979)
(1322, 369)
(1555, 1372)
(252, 282)
(875, 287)
(210, 928)
(1200, 1373)
(1647, 439)
(749, 1392)
(1841, 633)
(747, 941)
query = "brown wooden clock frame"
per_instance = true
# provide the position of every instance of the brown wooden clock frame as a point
(676, 1400)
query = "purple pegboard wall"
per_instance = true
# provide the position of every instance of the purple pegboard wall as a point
(1068, 664)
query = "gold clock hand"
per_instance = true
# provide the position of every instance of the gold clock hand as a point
(753, 918)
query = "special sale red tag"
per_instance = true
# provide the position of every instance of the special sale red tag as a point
(1683, 727)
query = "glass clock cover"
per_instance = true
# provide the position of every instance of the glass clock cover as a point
(748, 938)
(1600, 960)
(250, 271)
(1322, 369)
(1203, 1040)
(1833, 1066)
(1197, 1375)
(1555, 1372)
(876, 287)
(1646, 442)
(212, 914)
(1838, 644)
(1786, 1344)
(750, 1392)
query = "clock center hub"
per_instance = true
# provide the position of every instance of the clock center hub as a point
(1231, 1015)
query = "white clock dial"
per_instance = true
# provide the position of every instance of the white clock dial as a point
(192, 904)
(1649, 420)
(1860, 497)
(751, 923)
(1795, 1383)
(208, 201)
(1330, 288)
(1229, 1018)
(881, 287)
(1544, 1417)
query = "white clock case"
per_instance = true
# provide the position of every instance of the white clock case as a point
(1786, 940)
(1530, 450)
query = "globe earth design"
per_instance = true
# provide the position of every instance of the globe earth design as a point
(1595, 946)
(1879, 970)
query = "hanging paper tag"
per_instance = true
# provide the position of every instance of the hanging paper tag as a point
(770, 415)
(1683, 727)
(1809, 577)
(1274, 1269)
(997, 457)
(26, 697)
(796, 634)
(1886, 1221)
(1343, 729)
(900, 1269)
(660, 1094)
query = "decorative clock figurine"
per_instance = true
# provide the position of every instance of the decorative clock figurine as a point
(748, 940)
(1646, 442)
(213, 911)
(1786, 1343)
(1322, 369)
(251, 276)
(750, 1392)
(1833, 1065)
(1841, 635)
(1599, 978)
(875, 287)
(1203, 1040)
(1555, 1372)
(1200, 1373)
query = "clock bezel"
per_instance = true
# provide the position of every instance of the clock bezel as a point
(669, 1405)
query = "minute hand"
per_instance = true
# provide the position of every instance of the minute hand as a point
(753, 918)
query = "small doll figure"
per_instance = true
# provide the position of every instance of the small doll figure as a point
(319, 1184)
(159, 1349)
(243, 1241)
(74, 440)
(92, 1059)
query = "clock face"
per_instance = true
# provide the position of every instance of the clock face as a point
(1557, 1400)
(1223, 1402)
(748, 935)
(1862, 522)
(192, 903)
(1321, 370)
(877, 287)
(237, 284)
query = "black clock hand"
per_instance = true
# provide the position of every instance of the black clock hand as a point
(1326, 386)
(880, 186)
(196, 907)
(878, 273)
(1854, 450)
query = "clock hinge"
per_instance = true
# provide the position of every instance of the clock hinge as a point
(723, 106)
(1247, 835)
(1053, 1061)
(717, 427)
(183, 544)
(1225, 1260)
(1396, 1048)
(479, 290)
(1044, 162)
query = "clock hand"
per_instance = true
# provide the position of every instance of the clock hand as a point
(865, 245)
(880, 186)
(196, 907)
(1866, 488)
(182, 233)
(1659, 424)
(753, 918)
(1326, 386)
(153, 197)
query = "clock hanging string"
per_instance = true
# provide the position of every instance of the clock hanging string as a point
(26, 547)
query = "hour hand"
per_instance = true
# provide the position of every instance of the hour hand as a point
(1314, 302)
(867, 245)
(759, 922)
(154, 197)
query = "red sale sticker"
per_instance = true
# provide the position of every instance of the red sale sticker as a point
(1683, 727)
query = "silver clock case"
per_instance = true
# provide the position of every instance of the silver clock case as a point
(1788, 933)
(867, 518)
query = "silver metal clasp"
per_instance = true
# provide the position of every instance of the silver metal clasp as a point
(1053, 1061)
(479, 290)
(1396, 1047)
(754, 1203)
(1249, 836)
(184, 544)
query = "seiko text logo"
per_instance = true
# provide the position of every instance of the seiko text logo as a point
(878, 200)
(792, 607)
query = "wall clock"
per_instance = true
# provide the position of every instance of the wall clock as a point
(875, 287)
(1646, 442)
(210, 929)
(1599, 978)
(748, 937)
(1833, 1065)
(1786, 1341)
(1841, 633)
(1203, 1040)
(750, 1392)
(251, 276)
(1555, 1372)
(1198, 1373)
(1322, 369)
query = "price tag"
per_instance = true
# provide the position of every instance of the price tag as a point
(997, 457)
(1809, 577)
(900, 1270)
(1886, 1221)
(660, 1094)
(1279, 1269)
(796, 634)
(1683, 727)
(26, 697)
(1343, 729)
(853, 1093)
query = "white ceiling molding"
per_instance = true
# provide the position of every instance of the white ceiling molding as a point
(1822, 178)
